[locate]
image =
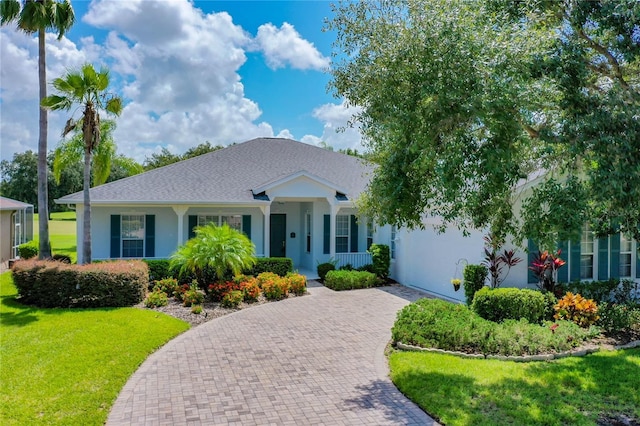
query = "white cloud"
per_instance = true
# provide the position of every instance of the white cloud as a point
(286, 134)
(337, 132)
(284, 45)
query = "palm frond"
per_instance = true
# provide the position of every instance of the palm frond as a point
(9, 11)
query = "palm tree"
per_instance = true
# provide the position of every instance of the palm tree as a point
(219, 248)
(70, 151)
(87, 88)
(39, 16)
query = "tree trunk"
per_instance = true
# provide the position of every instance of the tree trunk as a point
(86, 224)
(43, 195)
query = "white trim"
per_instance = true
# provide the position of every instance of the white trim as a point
(302, 173)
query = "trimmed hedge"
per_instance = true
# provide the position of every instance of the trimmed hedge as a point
(380, 259)
(500, 304)
(474, 278)
(613, 290)
(28, 250)
(50, 284)
(324, 268)
(349, 280)
(278, 265)
(159, 269)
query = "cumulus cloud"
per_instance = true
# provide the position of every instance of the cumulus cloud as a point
(284, 46)
(337, 130)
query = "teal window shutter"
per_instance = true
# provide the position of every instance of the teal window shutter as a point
(354, 234)
(563, 272)
(115, 236)
(603, 258)
(246, 225)
(150, 235)
(574, 261)
(193, 222)
(615, 256)
(327, 234)
(532, 248)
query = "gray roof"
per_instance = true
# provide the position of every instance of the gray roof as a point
(10, 204)
(229, 175)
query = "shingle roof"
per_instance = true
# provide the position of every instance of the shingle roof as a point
(229, 174)
(10, 204)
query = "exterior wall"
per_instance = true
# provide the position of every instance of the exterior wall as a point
(428, 260)
(6, 236)
(294, 246)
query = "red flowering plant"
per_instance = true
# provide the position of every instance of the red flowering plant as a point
(218, 290)
(545, 268)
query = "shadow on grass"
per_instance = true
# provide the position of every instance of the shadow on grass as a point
(383, 395)
(598, 389)
(19, 315)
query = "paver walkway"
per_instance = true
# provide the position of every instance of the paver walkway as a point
(312, 360)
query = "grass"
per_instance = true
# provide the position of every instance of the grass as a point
(576, 391)
(67, 366)
(62, 233)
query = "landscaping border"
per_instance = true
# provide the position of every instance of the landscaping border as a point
(520, 358)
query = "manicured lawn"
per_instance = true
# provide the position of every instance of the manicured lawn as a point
(67, 366)
(574, 391)
(62, 233)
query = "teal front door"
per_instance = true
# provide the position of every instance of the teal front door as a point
(278, 244)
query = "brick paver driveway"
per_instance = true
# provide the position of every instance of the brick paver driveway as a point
(311, 360)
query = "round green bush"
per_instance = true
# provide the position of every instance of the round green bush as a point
(499, 304)
(324, 268)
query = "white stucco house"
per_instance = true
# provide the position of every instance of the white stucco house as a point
(291, 199)
(16, 227)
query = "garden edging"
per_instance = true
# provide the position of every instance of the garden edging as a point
(520, 358)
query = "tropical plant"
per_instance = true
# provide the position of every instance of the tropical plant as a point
(89, 89)
(496, 261)
(574, 307)
(70, 151)
(39, 16)
(223, 249)
(545, 268)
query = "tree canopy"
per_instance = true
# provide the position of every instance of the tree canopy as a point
(165, 157)
(463, 101)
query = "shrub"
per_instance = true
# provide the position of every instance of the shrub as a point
(616, 318)
(474, 278)
(167, 285)
(267, 276)
(500, 304)
(250, 289)
(574, 307)
(155, 299)
(61, 258)
(550, 301)
(613, 290)
(297, 283)
(28, 250)
(180, 291)
(367, 268)
(434, 323)
(381, 259)
(278, 265)
(349, 280)
(158, 269)
(232, 299)
(275, 289)
(495, 261)
(196, 309)
(218, 290)
(347, 267)
(51, 284)
(192, 296)
(324, 268)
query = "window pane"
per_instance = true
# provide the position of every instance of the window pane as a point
(132, 226)
(205, 219)
(342, 225)
(625, 264)
(234, 222)
(132, 248)
(342, 244)
(393, 242)
(586, 266)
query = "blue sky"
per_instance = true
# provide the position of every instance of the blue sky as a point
(189, 72)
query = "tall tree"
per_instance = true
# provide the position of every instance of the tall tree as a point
(87, 88)
(165, 157)
(462, 100)
(38, 16)
(103, 160)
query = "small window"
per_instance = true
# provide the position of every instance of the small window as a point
(369, 233)
(205, 219)
(392, 245)
(625, 256)
(307, 221)
(586, 253)
(342, 233)
(234, 221)
(132, 235)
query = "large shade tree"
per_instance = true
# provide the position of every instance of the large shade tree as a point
(464, 100)
(38, 16)
(88, 89)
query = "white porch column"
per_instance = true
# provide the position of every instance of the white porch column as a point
(180, 211)
(332, 231)
(267, 230)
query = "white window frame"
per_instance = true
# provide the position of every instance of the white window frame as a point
(369, 233)
(339, 218)
(307, 232)
(392, 245)
(587, 238)
(627, 252)
(219, 220)
(142, 229)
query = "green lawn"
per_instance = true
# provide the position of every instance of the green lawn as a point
(62, 233)
(67, 366)
(574, 391)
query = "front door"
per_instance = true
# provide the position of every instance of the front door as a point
(278, 245)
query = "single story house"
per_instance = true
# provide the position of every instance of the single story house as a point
(16, 227)
(291, 199)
